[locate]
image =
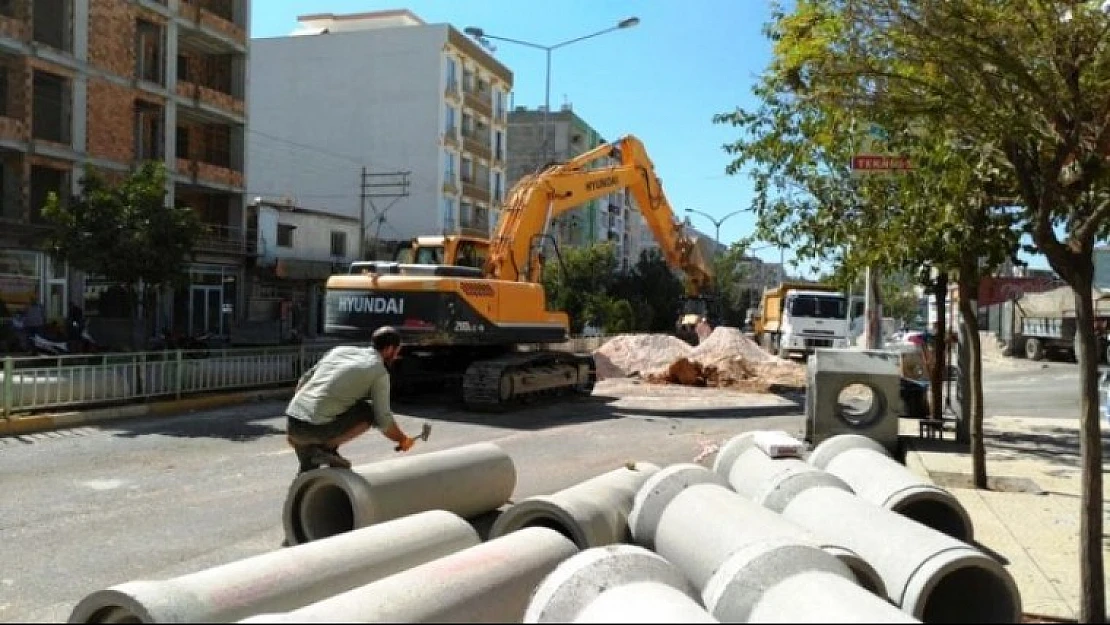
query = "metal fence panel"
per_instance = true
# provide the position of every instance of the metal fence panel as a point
(40, 383)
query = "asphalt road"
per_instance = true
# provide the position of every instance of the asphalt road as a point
(90, 507)
(1022, 388)
(87, 508)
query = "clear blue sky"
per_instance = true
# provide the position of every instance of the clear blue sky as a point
(662, 81)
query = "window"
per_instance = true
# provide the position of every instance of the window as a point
(498, 192)
(285, 235)
(468, 80)
(183, 69)
(182, 134)
(498, 141)
(148, 132)
(452, 73)
(338, 243)
(449, 167)
(498, 103)
(148, 52)
(449, 121)
(448, 214)
(467, 170)
(467, 125)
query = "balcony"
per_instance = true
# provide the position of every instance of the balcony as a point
(477, 143)
(450, 185)
(451, 137)
(210, 96)
(474, 191)
(201, 171)
(202, 13)
(218, 239)
(476, 224)
(479, 100)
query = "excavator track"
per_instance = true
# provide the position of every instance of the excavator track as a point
(505, 382)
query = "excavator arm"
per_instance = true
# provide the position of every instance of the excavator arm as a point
(532, 204)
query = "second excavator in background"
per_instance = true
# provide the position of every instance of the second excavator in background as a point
(475, 310)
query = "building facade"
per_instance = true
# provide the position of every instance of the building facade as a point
(297, 249)
(612, 218)
(106, 84)
(390, 93)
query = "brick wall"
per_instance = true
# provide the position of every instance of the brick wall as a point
(112, 36)
(111, 121)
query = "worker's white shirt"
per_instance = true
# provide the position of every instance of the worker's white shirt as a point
(345, 375)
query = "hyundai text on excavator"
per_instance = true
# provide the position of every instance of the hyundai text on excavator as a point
(477, 309)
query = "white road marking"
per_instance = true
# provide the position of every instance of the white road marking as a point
(103, 484)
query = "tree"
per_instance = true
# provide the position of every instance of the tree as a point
(1027, 84)
(729, 272)
(576, 280)
(124, 232)
(653, 290)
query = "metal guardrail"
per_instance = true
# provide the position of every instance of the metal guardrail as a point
(42, 383)
(38, 383)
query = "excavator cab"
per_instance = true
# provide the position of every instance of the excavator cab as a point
(456, 250)
(692, 310)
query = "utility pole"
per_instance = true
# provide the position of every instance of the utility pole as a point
(392, 185)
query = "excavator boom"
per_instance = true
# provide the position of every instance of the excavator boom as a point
(537, 199)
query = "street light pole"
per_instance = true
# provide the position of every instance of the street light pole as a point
(716, 222)
(481, 36)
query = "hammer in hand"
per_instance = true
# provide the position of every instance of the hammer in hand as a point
(425, 432)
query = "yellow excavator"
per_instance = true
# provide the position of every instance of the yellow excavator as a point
(476, 309)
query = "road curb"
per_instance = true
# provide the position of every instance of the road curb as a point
(61, 420)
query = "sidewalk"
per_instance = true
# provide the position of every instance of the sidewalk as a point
(1030, 516)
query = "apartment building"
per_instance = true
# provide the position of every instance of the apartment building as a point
(106, 84)
(391, 93)
(613, 218)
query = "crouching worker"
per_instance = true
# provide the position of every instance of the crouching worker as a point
(341, 397)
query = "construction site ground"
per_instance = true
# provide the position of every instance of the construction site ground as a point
(99, 504)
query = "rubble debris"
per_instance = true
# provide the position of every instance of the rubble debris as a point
(726, 359)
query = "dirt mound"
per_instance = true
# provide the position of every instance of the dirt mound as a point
(726, 359)
(726, 342)
(629, 354)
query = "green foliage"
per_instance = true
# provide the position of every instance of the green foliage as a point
(124, 232)
(653, 291)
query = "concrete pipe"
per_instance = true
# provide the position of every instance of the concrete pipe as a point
(770, 482)
(728, 521)
(468, 480)
(285, 579)
(777, 581)
(930, 575)
(656, 494)
(616, 584)
(593, 513)
(876, 477)
(488, 583)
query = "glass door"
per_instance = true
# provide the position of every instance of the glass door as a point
(205, 314)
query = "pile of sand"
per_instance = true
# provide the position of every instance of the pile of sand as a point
(726, 359)
(642, 354)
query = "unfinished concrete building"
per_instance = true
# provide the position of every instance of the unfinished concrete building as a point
(107, 84)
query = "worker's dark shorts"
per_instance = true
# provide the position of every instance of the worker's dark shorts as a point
(310, 433)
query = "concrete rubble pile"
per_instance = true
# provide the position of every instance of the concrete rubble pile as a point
(845, 535)
(725, 359)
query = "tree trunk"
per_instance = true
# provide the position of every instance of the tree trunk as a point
(937, 375)
(972, 406)
(1091, 571)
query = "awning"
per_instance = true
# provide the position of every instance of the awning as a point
(295, 269)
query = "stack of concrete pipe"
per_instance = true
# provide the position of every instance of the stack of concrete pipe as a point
(749, 564)
(468, 481)
(756, 539)
(927, 573)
